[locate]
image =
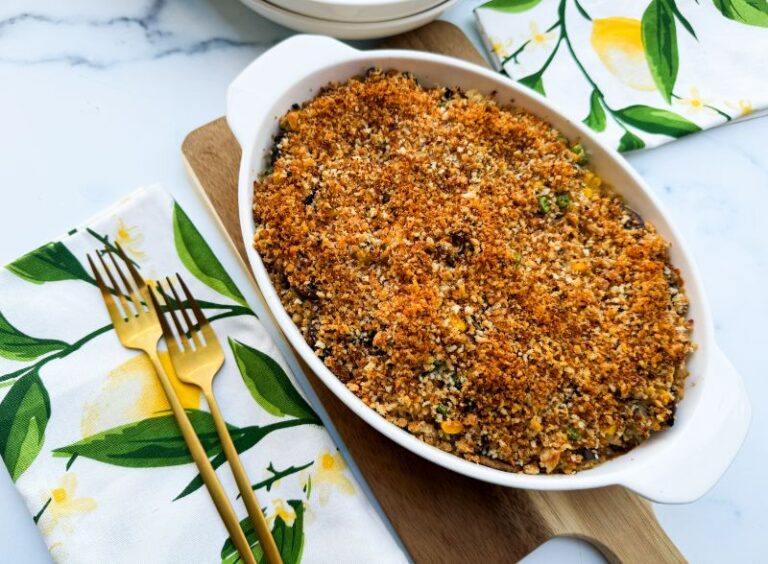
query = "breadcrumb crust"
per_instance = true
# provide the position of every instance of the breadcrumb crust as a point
(453, 263)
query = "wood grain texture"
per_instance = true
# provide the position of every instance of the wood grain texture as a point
(619, 523)
(439, 37)
(441, 516)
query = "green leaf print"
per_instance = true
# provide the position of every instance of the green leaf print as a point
(15, 345)
(24, 415)
(657, 120)
(511, 6)
(751, 12)
(50, 263)
(630, 142)
(660, 44)
(681, 18)
(244, 440)
(596, 118)
(289, 538)
(535, 82)
(278, 475)
(582, 11)
(269, 384)
(150, 443)
(198, 257)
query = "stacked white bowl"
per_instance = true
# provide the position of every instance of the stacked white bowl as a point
(351, 19)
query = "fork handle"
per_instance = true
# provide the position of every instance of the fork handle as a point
(210, 479)
(258, 521)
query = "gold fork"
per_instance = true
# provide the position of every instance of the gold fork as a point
(197, 359)
(138, 327)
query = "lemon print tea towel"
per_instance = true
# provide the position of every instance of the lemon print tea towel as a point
(87, 436)
(638, 73)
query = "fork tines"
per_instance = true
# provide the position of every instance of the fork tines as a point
(133, 291)
(189, 330)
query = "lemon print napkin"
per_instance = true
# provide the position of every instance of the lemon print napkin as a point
(86, 433)
(638, 73)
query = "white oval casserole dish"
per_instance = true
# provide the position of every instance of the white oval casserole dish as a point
(677, 465)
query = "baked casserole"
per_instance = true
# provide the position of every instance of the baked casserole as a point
(459, 267)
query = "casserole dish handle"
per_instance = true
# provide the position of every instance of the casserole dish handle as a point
(707, 444)
(267, 78)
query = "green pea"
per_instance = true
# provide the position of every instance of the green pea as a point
(544, 204)
(579, 151)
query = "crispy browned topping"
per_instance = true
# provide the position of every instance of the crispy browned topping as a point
(454, 265)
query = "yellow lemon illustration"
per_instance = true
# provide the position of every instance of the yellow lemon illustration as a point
(132, 392)
(619, 44)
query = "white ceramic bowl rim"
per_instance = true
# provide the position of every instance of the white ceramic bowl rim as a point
(347, 29)
(356, 10)
(677, 465)
(332, 17)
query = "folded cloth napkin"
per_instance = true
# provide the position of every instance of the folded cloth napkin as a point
(638, 73)
(87, 437)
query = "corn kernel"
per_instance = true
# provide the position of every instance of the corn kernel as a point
(292, 121)
(591, 180)
(452, 427)
(579, 266)
(458, 324)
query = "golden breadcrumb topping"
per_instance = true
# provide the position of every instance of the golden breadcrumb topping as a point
(456, 265)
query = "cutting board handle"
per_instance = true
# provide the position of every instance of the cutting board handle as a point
(620, 524)
(249, 97)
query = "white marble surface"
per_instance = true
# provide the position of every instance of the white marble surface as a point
(96, 98)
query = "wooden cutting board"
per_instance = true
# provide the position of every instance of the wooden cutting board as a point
(441, 516)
